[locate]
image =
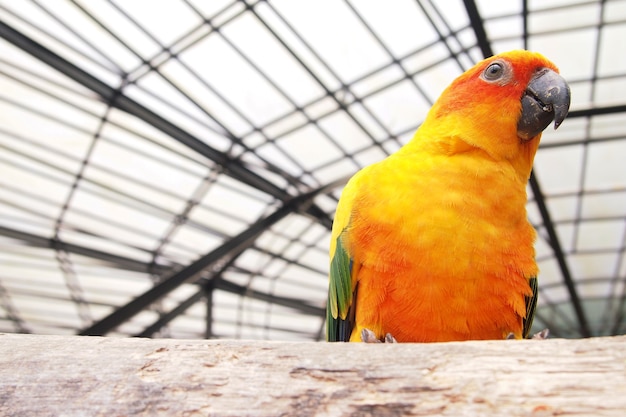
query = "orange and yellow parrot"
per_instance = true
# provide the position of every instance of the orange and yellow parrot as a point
(433, 243)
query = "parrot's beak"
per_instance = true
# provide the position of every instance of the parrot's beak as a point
(546, 98)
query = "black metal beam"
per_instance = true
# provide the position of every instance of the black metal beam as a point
(216, 274)
(172, 314)
(525, 23)
(555, 244)
(479, 28)
(213, 259)
(597, 111)
(233, 288)
(485, 46)
(129, 264)
(209, 285)
(116, 261)
(209, 289)
(295, 303)
(231, 167)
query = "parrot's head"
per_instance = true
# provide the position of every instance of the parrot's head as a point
(501, 105)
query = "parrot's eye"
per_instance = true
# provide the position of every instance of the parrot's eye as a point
(493, 72)
(498, 72)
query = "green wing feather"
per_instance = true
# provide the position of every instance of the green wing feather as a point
(339, 310)
(531, 306)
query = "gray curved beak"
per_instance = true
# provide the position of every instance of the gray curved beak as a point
(546, 98)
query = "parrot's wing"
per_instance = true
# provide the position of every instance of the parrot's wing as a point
(531, 305)
(343, 282)
(341, 294)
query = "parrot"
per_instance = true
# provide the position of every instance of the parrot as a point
(433, 243)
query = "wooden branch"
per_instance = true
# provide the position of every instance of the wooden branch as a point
(93, 376)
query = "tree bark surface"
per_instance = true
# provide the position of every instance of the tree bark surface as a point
(94, 376)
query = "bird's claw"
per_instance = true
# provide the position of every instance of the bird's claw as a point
(390, 339)
(368, 336)
(542, 335)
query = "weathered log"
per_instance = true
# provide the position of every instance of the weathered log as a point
(93, 376)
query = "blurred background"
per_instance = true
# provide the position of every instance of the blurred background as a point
(171, 169)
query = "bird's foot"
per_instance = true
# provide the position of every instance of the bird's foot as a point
(368, 336)
(542, 335)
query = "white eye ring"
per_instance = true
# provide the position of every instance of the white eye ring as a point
(493, 72)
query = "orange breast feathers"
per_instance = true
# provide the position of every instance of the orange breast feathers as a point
(441, 257)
